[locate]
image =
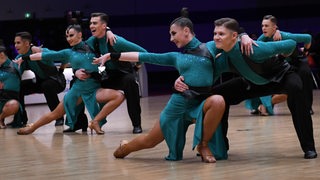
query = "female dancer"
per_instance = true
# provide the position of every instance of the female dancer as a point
(87, 91)
(9, 90)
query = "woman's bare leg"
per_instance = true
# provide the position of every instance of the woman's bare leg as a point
(278, 98)
(213, 110)
(113, 99)
(144, 141)
(45, 119)
(11, 107)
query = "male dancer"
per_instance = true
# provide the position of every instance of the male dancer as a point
(261, 76)
(42, 83)
(121, 75)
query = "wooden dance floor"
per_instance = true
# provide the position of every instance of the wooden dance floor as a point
(261, 147)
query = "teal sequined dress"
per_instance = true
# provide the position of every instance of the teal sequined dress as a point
(78, 57)
(180, 111)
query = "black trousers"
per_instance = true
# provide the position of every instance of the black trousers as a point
(50, 88)
(305, 73)
(128, 84)
(238, 89)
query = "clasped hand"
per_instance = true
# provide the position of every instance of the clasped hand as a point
(101, 60)
(18, 61)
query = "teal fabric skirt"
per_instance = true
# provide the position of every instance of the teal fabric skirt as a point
(175, 119)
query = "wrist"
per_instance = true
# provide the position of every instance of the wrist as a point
(108, 29)
(75, 72)
(242, 34)
(115, 55)
(25, 57)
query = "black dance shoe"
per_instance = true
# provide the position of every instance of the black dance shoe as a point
(310, 155)
(84, 129)
(137, 130)
(59, 122)
(254, 112)
(82, 125)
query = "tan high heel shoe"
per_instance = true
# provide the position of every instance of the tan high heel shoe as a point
(263, 110)
(26, 130)
(94, 125)
(120, 152)
(2, 124)
(205, 153)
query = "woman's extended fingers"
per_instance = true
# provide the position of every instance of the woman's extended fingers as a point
(113, 41)
(96, 61)
(18, 61)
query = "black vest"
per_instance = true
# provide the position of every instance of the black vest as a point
(272, 69)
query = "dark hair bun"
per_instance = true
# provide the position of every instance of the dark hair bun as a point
(184, 12)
